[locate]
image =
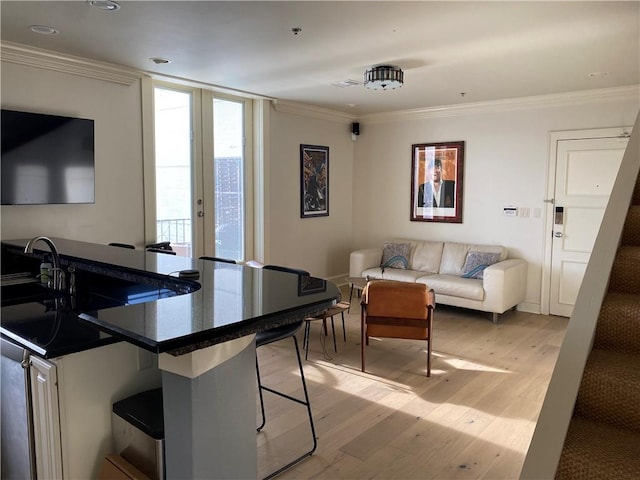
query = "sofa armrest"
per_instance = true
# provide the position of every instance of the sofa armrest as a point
(504, 284)
(360, 260)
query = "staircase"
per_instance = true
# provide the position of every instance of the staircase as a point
(603, 440)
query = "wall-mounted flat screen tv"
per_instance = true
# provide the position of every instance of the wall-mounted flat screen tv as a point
(46, 159)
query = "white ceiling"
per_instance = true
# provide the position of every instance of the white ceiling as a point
(489, 50)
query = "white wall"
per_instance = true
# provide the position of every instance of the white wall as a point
(506, 158)
(117, 214)
(320, 245)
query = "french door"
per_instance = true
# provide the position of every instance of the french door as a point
(202, 171)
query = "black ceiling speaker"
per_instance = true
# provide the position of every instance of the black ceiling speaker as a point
(355, 128)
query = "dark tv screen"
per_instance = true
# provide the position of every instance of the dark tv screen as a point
(46, 159)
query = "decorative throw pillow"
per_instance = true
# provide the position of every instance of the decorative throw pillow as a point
(476, 262)
(396, 255)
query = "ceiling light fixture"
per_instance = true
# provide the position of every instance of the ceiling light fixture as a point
(384, 77)
(108, 5)
(43, 30)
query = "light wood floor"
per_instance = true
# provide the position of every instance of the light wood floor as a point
(473, 418)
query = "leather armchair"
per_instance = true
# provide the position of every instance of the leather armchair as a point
(397, 310)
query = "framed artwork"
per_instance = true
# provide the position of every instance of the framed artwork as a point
(436, 182)
(309, 285)
(314, 181)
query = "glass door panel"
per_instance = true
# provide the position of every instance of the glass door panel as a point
(173, 160)
(228, 181)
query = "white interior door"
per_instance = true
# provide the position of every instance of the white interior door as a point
(586, 170)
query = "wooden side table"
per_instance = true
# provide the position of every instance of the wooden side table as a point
(328, 313)
(358, 283)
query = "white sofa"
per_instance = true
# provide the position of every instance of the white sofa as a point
(440, 266)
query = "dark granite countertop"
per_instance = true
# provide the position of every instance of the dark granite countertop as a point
(226, 302)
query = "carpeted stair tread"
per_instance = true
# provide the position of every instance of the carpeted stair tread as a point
(619, 323)
(635, 200)
(631, 232)
(603, 440)
(625, 273)
(597, 451)
(610, 389)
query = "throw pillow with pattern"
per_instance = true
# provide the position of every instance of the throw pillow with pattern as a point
(396, 255)
(476, 262)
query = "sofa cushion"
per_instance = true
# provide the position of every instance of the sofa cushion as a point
(454, 286)
(476, 262)
(393, 274)
(427, 256)
(395, 255)
(454, 256)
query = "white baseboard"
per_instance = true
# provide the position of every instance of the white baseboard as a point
(529, 307)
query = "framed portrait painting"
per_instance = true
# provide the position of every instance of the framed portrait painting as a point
(314, 181)
(436, 182)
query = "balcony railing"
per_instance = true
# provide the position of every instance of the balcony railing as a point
(176, 230)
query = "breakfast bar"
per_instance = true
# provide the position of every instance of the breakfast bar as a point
(200, 319)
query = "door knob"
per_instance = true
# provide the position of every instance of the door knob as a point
(557, 234)
(201, 213)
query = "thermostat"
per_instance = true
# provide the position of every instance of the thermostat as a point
(510, 211)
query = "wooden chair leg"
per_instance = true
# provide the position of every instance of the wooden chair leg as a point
(429, 356)
(305, 341)
(350, 297)
(362, 337)
(333, 332)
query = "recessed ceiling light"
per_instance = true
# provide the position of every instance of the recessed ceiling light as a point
(345, 83)
(160, 60)
(108, 5)
(598, 74)
(43, 30)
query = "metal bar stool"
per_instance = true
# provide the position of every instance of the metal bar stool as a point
(122, 245)
(218, 259)
(161, 250)
(273, 335)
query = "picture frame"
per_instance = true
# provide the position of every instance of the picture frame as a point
(310, 285)
(437, 176)
(314, 181)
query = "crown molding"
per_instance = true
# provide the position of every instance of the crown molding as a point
(628, 93)
(33, 57)
(45, 59)
(306, 110)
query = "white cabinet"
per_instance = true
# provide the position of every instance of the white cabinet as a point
(46, 418)
(72, 398)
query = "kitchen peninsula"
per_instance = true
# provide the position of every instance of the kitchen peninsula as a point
(201, 330)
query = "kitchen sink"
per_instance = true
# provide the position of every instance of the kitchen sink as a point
(26, 292)
(93, 291)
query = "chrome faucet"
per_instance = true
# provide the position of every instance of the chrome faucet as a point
(57, 272)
